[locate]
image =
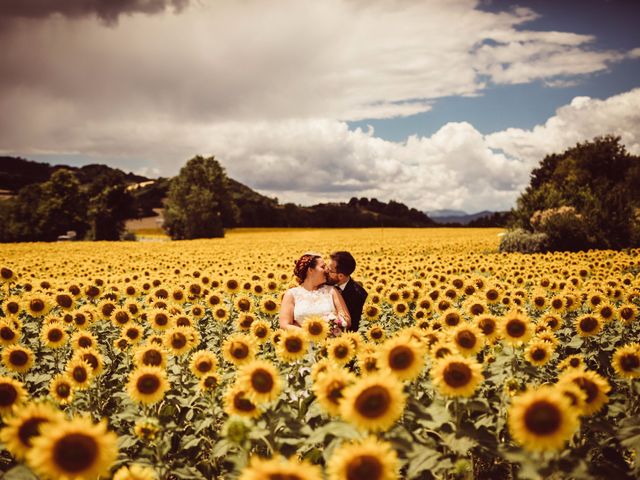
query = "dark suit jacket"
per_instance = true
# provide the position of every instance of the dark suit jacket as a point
(354, 296)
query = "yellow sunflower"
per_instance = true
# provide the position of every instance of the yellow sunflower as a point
(293, 345)
(627, 313)
(21, 429)
(457, 376)
(12, 306)
(516, 328)
(18, 358)
(373, 403)
(180, 340)
(135, 472)
(64, 301)
(61, 389)
(340, 350)
(83, 339)
(36, 305)
(402, 357)
(450, 317)
(260, 380)
(147, 385)
(554, 322)
(401, 309)
(370, 459)
(54, 335)
(8, 334)
(236, 402)
(279, 468)
(73, 450)
(468, 339)
(329, 388)
(376, 333)
(202, 363)
(542, 419)
(12, 394)
(316, 329)
(488, 325)
(269, 305)
(209, 382)
(133, 333)
(626, 361)
(574, 394)
(243, 304)
(159, 319)
(79, 373)
(538, 352)
(371, 312)
(239, 349)
(121, 317)
(261, 331)
(593, 385)
(588, 325)
(368, 362)
(321, 367)
(572, 362)
(244, 321)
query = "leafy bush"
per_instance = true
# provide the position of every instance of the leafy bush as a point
(564, 227)
(520, 240)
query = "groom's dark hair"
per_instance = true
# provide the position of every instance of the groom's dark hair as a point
(345, 263)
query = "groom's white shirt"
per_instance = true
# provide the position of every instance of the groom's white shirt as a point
(342, 285)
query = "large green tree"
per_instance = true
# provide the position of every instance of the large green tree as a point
(199, 204)
(599, 179)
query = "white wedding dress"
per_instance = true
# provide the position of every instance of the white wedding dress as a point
(314, 303)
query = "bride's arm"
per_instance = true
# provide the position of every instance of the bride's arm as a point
(286, 311)
(341, 307)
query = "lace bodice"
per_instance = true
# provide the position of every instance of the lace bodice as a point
(312, 303)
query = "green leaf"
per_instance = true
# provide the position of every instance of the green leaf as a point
(19, 472)
(425, 460)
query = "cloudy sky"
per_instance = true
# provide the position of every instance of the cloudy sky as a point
(435, 103)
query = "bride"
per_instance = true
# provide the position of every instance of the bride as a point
(312, 298)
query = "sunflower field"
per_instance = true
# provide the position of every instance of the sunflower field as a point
(164, 360)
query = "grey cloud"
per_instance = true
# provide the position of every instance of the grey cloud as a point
(106, 10)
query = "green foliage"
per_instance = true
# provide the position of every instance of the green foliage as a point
(599, 179)
(199, 204)
(520, 240)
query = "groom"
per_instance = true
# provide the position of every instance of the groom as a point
(338, 273)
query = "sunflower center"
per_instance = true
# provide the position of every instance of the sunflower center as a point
(376, 334)
(161, 319)
(244, 305)
(492, 295)
(54, 335)
(36, 305)
(13, 307)
(373, 402)
(79, 374)
(152, 357)
(365, 466)
(64, 301)
(8, 394)
(626, 313)
(557, 304)
(243, 404)
(270, 305)
(6, 273)
(315, 328)
(92, 291)
(122, 317)
(457, 374)
(543, 418)
(262, 381)
(452, 319)
(283, 476)
(148, 383)
(29, 429)
(261, 332)
(341, 351)
(63, 390)
(239, 350)
(538, 354)
(606, 312)
(7, 333)
(516, 328)
(552, 322)
(204, 366)
(293, 345)
(588, 324)
(133, 333)
(92, 360)
(477, 309)
(75, 452)
(178, 340)
(183, 322)
(466, 339)
(629, 362)
(401, 357)
(18, 358)
(487, 325)
(539, 301)
(85, 342)
(221, 313)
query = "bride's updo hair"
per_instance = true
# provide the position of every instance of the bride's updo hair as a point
(304, 263)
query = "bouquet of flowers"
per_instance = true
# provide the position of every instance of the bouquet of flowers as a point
(337, 323)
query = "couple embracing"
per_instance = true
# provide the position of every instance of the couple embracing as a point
(325, 290)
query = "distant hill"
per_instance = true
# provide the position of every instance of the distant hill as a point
(256, 210)
(457, 216)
